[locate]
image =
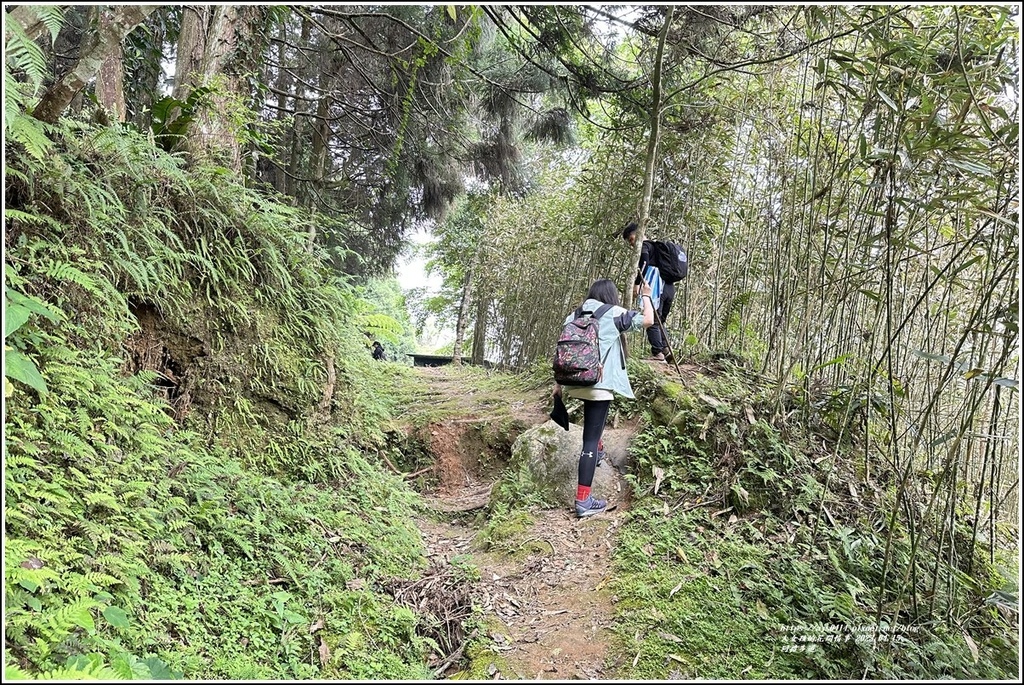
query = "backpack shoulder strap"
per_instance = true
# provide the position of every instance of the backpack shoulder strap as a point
(596, 314)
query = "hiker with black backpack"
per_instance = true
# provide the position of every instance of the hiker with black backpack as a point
(590, 365)
(670, 266)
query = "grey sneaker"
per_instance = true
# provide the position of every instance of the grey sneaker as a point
(590, 506)
(600, 457)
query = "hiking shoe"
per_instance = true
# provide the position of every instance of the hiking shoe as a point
(590, 506)
(600, 457)
(660, 357)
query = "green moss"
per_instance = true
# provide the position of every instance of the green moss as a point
(483, 661)
(504, 529)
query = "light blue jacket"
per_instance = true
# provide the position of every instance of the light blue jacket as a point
(616, 319)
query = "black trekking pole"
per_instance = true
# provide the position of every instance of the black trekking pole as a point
(670, 357)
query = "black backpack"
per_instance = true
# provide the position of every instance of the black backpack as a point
(670, 260)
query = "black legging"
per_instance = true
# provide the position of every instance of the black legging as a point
(595, 413)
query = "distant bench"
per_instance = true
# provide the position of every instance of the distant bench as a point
(430, 359)
(440, 360)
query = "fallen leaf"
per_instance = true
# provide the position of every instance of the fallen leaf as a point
(732, 518)
(669, 637)
(316, 626)
(707, 424)
(676, 658)
(972, 646)
(743, 494)
(750, 415)
(659, 475)
(325, 653)
(676, 589)
(711, 400)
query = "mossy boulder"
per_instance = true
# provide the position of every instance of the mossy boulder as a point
(547, 460)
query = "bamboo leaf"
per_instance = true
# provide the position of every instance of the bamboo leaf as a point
(887, 100)
(972, 167)
(838, 360)
(944, 358)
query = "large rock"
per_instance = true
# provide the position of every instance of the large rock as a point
(547, 458)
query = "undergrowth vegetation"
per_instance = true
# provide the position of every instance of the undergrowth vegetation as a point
(192, 486)
(757, 549)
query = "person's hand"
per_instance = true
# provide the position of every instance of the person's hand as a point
(645, 289)
(556, 391)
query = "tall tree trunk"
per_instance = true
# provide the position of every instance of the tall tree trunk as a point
(460, 326)
(110, 79)
(652, 145)
(284, 87)
(296, 130)
(480, 330)
(113, 23)
(208, 56)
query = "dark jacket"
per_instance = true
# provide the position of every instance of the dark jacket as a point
(647, 257)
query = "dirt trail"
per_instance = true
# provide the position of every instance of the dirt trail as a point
(552, 598)
(553, 604)
(548, 604)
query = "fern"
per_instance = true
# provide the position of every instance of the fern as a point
(81, 668)
(59, 624)
(21, 54)
(52, 16)
(64, 272)
(30, 133)
(381, 325)
(25, 58)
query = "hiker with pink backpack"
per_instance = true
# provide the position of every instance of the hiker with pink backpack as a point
(590, 365)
